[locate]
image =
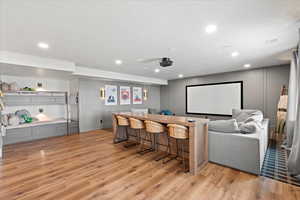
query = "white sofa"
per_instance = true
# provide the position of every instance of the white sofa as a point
(244, 152)
(140, 110)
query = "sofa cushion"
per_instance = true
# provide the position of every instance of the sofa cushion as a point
(249, 127)
(247, 115)
(225, 126)
(140, 110)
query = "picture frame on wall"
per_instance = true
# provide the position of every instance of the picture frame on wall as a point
(111, 95)
(125, 95)
(137, 95)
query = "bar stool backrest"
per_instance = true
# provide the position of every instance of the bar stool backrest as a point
(154, 127)
(122, 121)
(178, 131)
(136, 123)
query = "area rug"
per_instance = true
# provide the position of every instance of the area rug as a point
(275, 164)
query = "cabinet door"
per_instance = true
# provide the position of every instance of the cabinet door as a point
(45, 131)
(61, 129)
(17, 135)
(74, 128)
(60, 100)
(43, 100)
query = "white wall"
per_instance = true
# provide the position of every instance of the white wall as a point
(93, 110)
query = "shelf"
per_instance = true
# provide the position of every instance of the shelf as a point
(37, 93)
(22, 98)
(39, 123)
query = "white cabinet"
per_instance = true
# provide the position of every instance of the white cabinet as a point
(17, 135)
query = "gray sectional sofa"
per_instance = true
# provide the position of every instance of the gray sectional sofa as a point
(244, 152)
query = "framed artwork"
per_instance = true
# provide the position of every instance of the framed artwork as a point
(125, 95)
(111, 95)
(137, 95)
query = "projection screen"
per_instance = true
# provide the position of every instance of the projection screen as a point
(214, 98)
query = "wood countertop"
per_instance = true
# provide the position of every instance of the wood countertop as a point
(165, 119)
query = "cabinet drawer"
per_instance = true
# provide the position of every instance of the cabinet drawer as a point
(61, 129)
(43, 100)
(17, 135)
(17, 100)
(44, 131)
(60, 100)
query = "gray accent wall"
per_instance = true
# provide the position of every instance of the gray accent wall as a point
(261, 89)
(92, 109)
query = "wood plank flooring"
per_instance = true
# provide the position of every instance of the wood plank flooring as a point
(89, 166)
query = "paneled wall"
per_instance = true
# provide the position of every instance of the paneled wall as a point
(261, 89)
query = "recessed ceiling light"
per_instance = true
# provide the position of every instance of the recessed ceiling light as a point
(118, 62)
(235, 54)
(180, 75)
(211, 28)
(157, 70)
(43, 45)
(247, 65)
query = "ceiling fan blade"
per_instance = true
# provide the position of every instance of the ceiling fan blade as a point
(148, 60)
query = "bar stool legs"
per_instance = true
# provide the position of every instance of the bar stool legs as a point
(182, 155)
(168, 147)
(144, 150)
(170, 156)
(179, 153)
(130, 144)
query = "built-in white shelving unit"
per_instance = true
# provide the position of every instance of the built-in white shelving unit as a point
(39, 129)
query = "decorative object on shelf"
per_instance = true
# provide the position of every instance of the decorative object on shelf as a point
(111, 95)
(102, 93)
(137, 95)
(28, 89)
(4, 86)
(13, 87)
(27, 119)
(9, 87)
(43, 117)
(145, 94)
(125, 95)
(40, 87)
(4, 119)
(24, 116)
(13, 120)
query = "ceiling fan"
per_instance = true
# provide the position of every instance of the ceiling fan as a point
(163, 62)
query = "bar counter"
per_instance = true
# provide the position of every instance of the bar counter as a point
(198, 135)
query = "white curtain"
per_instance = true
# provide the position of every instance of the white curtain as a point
(294, 158)
(292, 105)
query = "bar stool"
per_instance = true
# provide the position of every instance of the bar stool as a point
(180, 134)
(154, 129)
(137, 125)
(123, 122)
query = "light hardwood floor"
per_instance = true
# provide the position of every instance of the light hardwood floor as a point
(89, 166)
